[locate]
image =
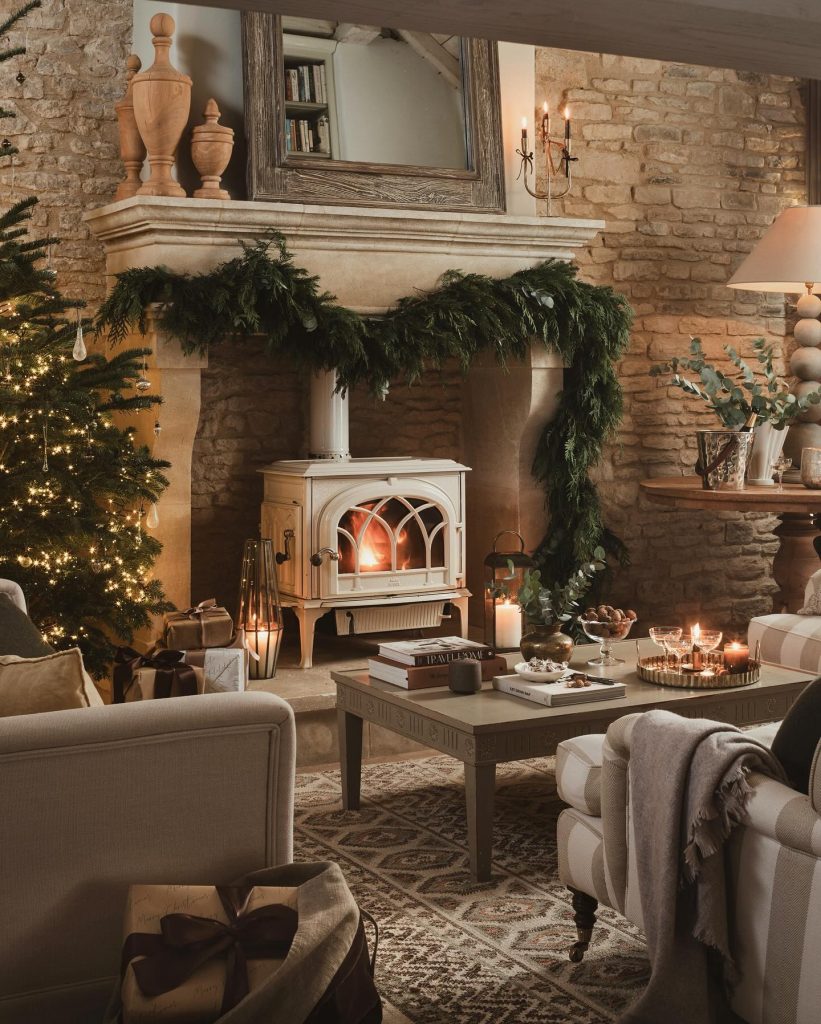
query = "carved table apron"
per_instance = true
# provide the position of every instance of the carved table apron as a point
(488, 728)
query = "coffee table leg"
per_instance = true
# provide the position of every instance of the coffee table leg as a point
(480, 786)
(350, 757)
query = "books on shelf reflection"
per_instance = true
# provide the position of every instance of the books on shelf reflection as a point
(305, 136)
(306, 83)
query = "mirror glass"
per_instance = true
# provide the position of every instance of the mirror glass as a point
(373, 95)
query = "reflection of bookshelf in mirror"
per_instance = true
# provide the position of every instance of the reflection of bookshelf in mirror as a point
(309, 99)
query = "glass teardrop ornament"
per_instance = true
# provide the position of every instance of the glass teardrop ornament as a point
(79, 351)
(152, 520)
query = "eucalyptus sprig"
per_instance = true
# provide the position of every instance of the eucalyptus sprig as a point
(549, 605)
(735, 399)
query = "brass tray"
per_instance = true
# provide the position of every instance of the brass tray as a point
(652, 671)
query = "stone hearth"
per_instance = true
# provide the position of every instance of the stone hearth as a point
(387, 254)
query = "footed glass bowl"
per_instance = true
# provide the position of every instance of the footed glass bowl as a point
(605, 633)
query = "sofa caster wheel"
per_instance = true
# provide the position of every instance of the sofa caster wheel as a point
(584, 907)
(578, 949)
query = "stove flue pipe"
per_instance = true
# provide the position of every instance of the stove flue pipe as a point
(329, 419)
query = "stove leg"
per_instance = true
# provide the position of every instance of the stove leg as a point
(462, 604)
(307, 618)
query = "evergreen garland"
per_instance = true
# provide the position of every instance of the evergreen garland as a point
(262, 292)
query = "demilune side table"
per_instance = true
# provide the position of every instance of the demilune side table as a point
(488, 728)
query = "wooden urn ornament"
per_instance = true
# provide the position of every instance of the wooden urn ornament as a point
(162, 102)
(132, 147)
(211, 146)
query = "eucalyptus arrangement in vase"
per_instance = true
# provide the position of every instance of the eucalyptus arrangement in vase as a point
(548, 608)
(753, 399)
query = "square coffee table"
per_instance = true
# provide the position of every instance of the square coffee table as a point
(487, 728)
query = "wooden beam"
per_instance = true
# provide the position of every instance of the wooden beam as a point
(774, 36)
(434, 53)
(346, 32)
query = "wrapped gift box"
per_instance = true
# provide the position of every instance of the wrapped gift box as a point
(198, 1000)
(206, 625)
(225, 668)
(144, 686)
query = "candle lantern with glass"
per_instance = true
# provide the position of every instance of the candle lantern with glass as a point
(259, 610)
(504, 574)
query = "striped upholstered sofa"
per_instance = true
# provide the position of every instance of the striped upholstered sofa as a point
(792, 640)
(775, 865)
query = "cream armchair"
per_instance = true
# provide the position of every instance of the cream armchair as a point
(186, 790)
(774, 860)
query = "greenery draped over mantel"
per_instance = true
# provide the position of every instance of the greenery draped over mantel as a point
(262, 292)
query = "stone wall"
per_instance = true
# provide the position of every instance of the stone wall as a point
(65, 126)
(688, 166)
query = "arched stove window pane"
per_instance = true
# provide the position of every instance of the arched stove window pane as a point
(390, 535)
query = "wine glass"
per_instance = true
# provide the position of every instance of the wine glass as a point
(661, 634)
(605, 633)
(780, 467)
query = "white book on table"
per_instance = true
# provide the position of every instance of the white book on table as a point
(558, 694)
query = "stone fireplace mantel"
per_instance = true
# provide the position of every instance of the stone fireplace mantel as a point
(368, 258)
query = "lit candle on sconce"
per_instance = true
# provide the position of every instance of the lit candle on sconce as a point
(736, 657)
(524, 134)
(567, 127)
(545, 122)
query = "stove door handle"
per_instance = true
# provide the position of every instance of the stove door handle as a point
(316, 557)
(287, 554)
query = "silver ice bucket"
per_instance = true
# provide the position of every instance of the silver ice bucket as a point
(722, 458)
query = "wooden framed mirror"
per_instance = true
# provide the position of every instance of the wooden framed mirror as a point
(366, 116)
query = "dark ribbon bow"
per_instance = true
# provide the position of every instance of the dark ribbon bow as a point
(169, 667)
(197, 610)
(187, 943)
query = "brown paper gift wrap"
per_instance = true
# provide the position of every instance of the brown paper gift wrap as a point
(144, 686)
(201, 998)
(205, 625)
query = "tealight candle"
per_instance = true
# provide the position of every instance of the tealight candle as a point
(736, 657)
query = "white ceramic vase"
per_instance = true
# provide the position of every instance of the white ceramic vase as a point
(767, 447)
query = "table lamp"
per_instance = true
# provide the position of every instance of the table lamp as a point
(788, 259)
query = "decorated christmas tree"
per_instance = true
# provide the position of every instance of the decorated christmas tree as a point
(75, 487)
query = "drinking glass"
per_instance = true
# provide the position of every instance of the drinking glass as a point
(678, 648)
(780, 467)
(661, 634)
(708, 640)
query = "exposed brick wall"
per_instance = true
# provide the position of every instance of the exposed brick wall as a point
(65, 127)
(688, 166)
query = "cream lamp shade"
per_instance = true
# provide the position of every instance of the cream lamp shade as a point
(788, 257)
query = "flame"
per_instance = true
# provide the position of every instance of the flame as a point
(696, 633)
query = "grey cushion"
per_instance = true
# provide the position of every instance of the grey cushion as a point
(18, 634)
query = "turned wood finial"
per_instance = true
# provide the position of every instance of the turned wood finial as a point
(132, 66)
(211, 112)
(162, 25)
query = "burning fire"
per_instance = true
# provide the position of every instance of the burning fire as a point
(374, 544)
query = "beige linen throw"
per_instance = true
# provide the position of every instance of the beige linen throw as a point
(688, 786)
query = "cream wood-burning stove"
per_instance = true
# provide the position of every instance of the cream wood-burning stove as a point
(378, 542)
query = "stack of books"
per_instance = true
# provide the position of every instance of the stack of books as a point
(558, 694)
(418, 664)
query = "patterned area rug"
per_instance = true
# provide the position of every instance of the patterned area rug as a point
(451, 951)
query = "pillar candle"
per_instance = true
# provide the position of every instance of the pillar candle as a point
(736, 657)
(508, 626)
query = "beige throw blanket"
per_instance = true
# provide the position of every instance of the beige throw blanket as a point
(688, 790)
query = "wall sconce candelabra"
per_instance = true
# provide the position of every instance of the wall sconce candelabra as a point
(558, 159)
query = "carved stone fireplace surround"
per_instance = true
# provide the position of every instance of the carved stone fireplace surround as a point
(387, 254)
